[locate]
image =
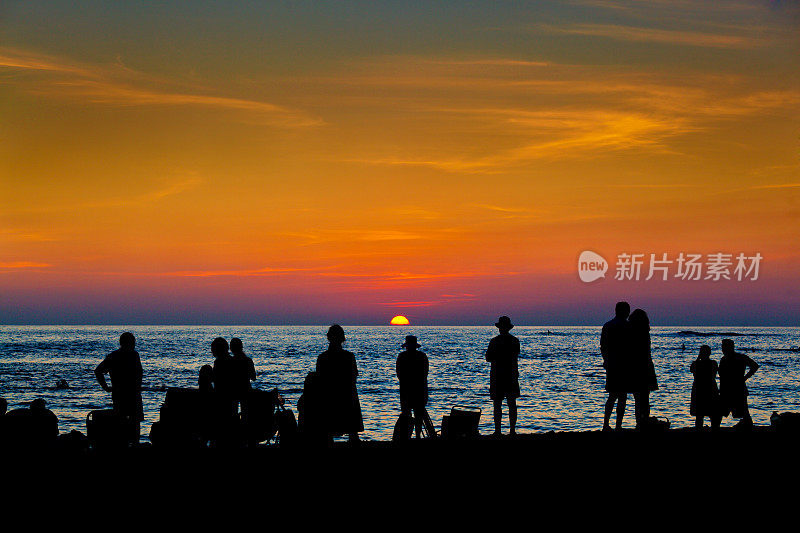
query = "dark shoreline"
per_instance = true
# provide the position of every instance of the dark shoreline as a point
(545, 473)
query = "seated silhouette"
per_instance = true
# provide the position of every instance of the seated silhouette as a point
(32, 427)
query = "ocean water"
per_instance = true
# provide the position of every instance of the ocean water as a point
(561, 376)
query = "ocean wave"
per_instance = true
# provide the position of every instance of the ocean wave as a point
(691, 333)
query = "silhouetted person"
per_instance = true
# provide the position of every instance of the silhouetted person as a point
(615, 348)
(49, 420)
(205, 380)
(3, 406)
(412, 374)
(207, 408)
(502, 353)
(34, 426)
(732, 388)
(337, 372)
(642, 371)
(705, 396)
(125, 369)
(224, 374)
(225, 415)
(243, 373)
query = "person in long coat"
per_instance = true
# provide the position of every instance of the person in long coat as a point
(705, 395)
(337, 372)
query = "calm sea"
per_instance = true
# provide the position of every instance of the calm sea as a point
(561, 376)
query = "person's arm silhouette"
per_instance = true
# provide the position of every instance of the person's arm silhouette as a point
(100, 373)
(752, 367)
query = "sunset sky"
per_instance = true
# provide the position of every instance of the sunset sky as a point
(319, 162)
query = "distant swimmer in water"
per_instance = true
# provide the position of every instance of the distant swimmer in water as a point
(62, 384)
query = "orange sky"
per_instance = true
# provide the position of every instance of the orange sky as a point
(321, 163)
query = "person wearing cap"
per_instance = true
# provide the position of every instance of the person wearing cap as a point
(125, 369)
(412, 373)
(732, 388)
(502, 353)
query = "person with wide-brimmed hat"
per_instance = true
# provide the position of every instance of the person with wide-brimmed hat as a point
(502, 353)
(412, 373)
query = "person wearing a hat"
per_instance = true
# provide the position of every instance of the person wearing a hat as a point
(502, 353)
(337, 372)
(412, 373)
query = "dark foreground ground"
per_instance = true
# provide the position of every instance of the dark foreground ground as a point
(598, 480)
(555, 456)
(583, 477)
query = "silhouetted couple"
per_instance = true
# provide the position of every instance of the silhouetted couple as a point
(625, 346)
(412, 375)
(503, 354)
(731, 399)
(231, 376)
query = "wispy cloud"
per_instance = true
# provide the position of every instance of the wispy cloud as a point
(776, 186)
(560, 135)
(22, 265)
(117, 85)
(170, 188)
(442, 300)
(656, 35)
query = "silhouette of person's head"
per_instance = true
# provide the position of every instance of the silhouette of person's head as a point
(236, 345)
(705, 351)
(335, 335)
(206, 378)
(622, 309)
(727, 346)
(219, 347)
(504, 324)
(3, 406)
(38, 405)
(639, 320)
(411, 342)
(127, 341)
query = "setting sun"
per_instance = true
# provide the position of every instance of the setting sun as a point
(399, 320)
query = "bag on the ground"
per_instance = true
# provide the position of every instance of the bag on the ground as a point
(461, 423)
(657, 424)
